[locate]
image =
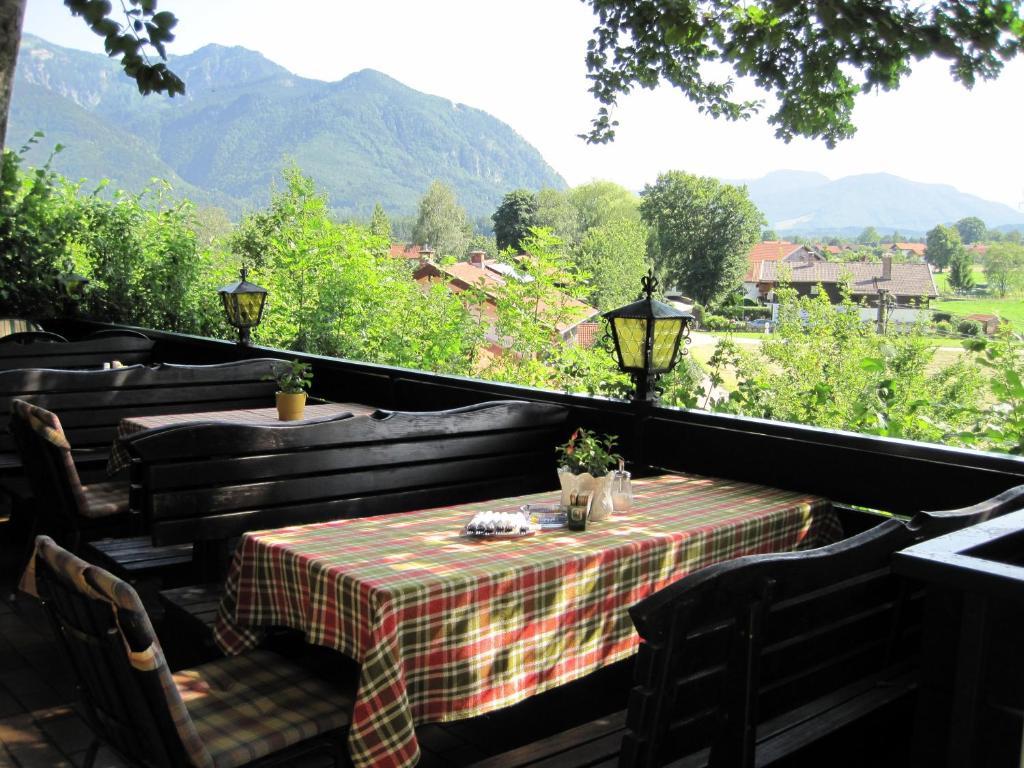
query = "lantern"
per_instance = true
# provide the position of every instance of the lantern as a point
(648, 334)
(243, 305)
(74, 285)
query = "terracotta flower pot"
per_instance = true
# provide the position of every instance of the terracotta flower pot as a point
(290, 406)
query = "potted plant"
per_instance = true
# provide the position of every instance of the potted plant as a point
(586, 460)
(293, 379)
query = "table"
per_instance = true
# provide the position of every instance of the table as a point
(119, 458)
(447, 628)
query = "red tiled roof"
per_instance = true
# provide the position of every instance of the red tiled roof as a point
(587, 333)
(865, 278)
(464, 274)
(915, 248)
(403, 251)
(769, 250)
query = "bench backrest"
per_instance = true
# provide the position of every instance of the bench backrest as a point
(732, 648)
(86, 354)
(217, 480)
(90, 404)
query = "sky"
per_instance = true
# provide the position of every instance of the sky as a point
(523, 61)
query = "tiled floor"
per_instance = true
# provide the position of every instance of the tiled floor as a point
(39, 727)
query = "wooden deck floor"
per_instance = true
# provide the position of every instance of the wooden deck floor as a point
(39, 727)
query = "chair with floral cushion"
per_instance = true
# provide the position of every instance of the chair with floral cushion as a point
(255, 709)
(65, 507)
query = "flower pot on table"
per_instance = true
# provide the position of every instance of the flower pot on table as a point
(291, 405)
(599, 488)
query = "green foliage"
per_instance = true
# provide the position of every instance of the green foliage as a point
(441, 222)
(35, 226)
(514, 218)
(601, 202)
(557, 212)
(999, 425)
(589, 452)
(968, 328)
(380, 224)
(701, 232)
(943, 246)
(145, 28)
(869, 236)
(971, 229)
(332, 291)
(961, 275)
(614, 255)
(814, 57)
(293, 377)
(1004, 267)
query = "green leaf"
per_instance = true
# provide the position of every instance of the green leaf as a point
(872, 364)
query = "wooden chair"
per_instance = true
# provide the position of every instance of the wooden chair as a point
(33, 337)
(9, 325)
(65, 507)
(254, 709)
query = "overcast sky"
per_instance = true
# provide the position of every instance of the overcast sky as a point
(523, 62)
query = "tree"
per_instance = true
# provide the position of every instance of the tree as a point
(769, 235)
(601, 202)
(869, 236)
(813, 56)
(380, 224)
(441, 222)
(615, 258)
(971, 229)
(1004, 267)
(145, 29)
(514, 218)
(942, 244)
(961, 279)
(701, 232)
(556, 212)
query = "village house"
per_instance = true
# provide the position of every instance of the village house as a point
(905, 288)
(773, 251)
(580, 326)
(908, 250)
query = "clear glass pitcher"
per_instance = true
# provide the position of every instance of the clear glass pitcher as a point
(621, 490)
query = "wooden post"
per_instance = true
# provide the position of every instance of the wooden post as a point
(12, 15)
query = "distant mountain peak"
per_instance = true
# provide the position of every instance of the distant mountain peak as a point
(364, 139)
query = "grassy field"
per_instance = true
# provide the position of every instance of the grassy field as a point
(942, 279)
(1011, 309)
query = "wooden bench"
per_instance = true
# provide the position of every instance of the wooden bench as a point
(209, 483)
(91, 404)
(760, 659)
(127, 347)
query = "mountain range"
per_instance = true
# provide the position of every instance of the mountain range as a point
(811, 204)
(364, 139)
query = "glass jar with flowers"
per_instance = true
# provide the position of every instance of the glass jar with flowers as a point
(585, 462)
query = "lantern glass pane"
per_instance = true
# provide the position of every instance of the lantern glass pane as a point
(666, 335)
(249, 306)
(632, 336)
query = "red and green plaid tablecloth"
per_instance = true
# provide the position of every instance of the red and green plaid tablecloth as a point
(119, 458)
(448, 628)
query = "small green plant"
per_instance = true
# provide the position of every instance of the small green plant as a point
(588, 452)
(969, 328)
(292, 377)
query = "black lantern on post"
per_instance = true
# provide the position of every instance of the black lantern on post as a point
(648, 335)
(243, 304)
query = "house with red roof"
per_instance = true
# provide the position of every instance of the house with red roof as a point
(578, 326)
(773, 251)
(909, 250)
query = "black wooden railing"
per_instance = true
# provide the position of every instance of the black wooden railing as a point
(898, 476)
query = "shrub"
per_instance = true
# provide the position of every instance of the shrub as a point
(942, 317)
(943, 327)
(746, 313)
(716, 322)
(969, 327)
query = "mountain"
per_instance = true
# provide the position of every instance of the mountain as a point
(364, 139)
(809, 203)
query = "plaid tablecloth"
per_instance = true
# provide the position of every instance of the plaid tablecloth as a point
(448, 628)
(119, 458)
